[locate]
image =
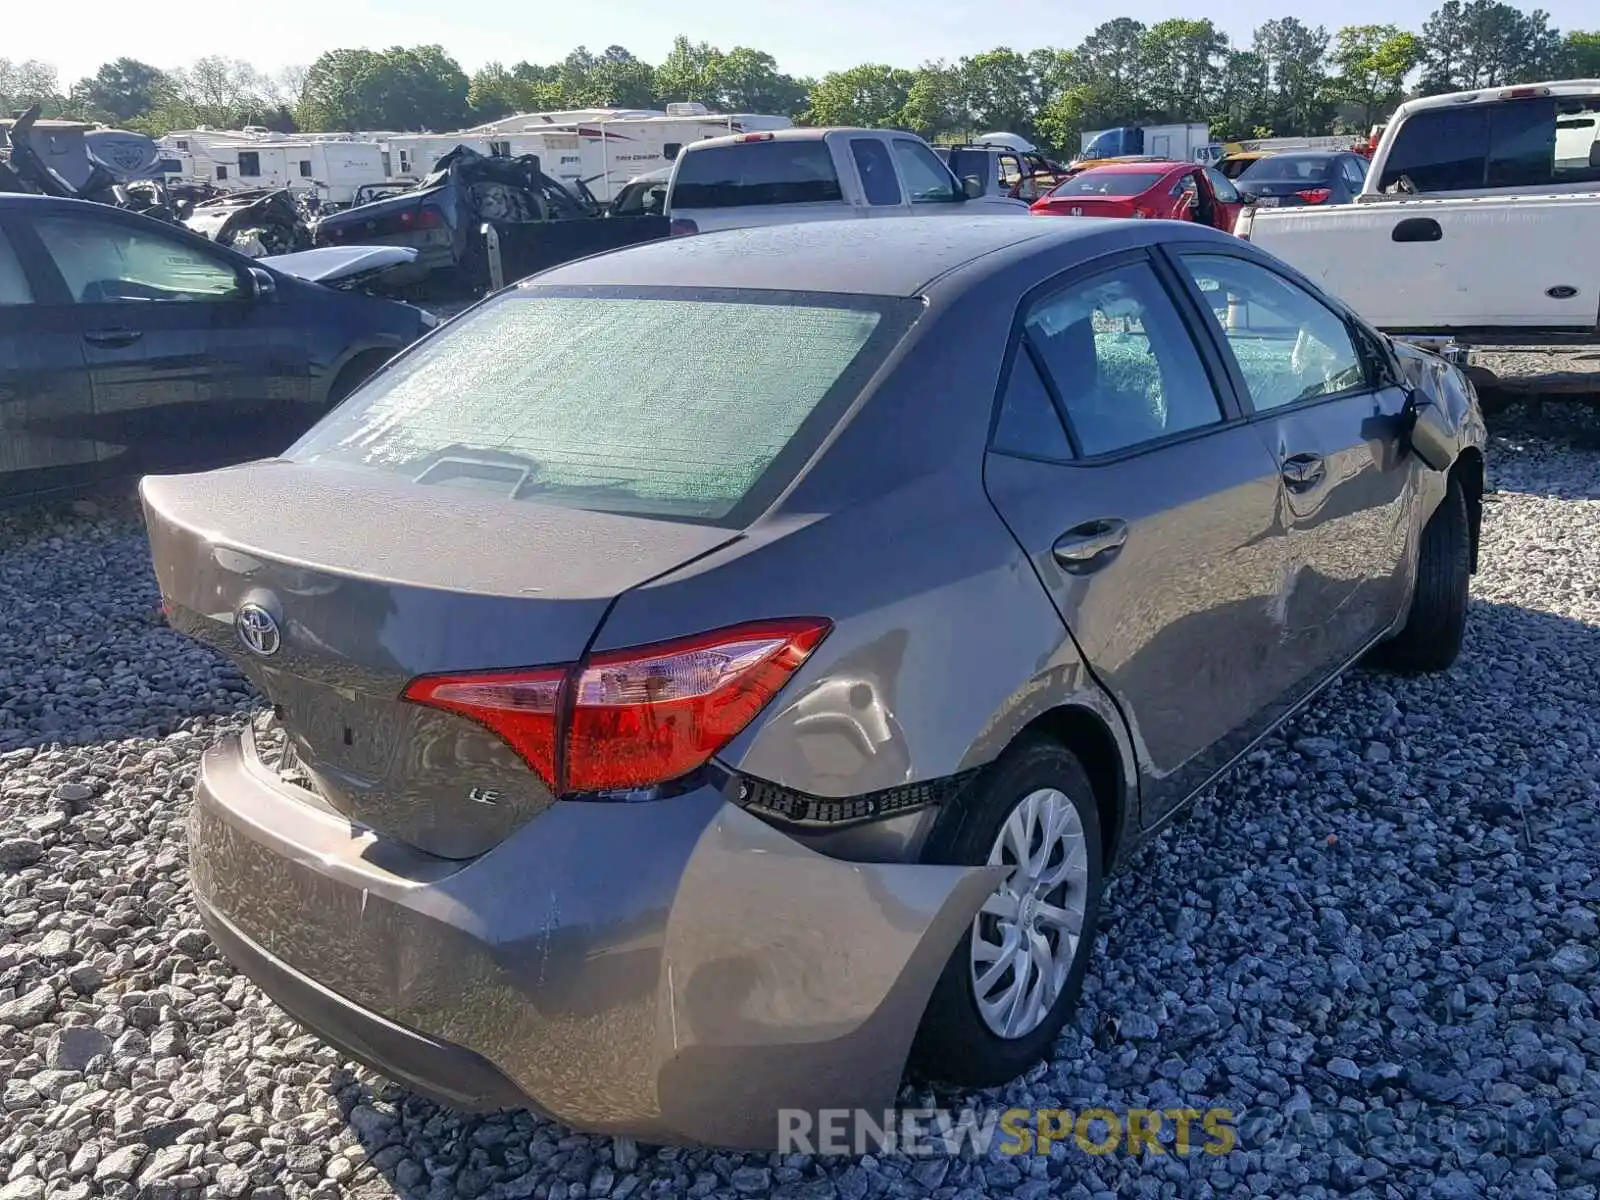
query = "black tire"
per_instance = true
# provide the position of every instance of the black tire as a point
(1431, 639)
(954, 1044)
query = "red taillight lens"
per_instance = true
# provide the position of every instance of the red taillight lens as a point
(1315, 195)
(632, 718)
(682, 227)
(430, 218)
(522, 707)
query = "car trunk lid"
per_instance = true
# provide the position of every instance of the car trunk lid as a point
(354, 584)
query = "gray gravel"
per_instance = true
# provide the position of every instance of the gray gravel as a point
(1376, 942)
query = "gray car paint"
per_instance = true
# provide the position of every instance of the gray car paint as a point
(678, 969)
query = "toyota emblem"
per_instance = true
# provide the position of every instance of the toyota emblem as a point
(257, 630)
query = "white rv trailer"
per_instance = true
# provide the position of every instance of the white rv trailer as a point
(333, 166)
(605, 154)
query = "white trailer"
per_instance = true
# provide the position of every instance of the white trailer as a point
(331, 167)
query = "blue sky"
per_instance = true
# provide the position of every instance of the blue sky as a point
(806, 36)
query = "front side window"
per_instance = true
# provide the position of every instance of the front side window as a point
(878, 180)
(701, 399)
(14, 286)
(752, 174)
(105, 262)
(1290, 347)
(927, 179)
(1121, 360)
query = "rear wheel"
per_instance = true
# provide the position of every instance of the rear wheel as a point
(1431, 639)
(1014, 978)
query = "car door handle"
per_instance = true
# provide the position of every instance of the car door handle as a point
(1090, 546)
(1303, 472)
(112, 338)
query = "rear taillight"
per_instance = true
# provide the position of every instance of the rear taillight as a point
(682, 227)
(629, 719)
(1315, 195)
(1142, 213)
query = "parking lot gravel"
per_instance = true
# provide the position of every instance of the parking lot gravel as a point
(1376, 942)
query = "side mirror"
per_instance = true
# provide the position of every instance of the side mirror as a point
(972, 187)
(262, 285)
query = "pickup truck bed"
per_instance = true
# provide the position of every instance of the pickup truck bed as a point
(1514, 265)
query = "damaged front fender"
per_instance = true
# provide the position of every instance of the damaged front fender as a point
(1442, 417)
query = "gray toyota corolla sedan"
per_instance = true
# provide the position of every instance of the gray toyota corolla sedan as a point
(706, 677)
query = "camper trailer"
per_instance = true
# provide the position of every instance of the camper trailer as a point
(236, 161)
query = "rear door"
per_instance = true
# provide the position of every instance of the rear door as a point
(1150, 512)
(879, 182)
(184, 361)
(46, 438)
(1333, 424)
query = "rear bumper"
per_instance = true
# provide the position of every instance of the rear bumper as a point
(674, 971)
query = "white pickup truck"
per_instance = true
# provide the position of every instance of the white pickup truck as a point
(792, 175)
(1479, 222)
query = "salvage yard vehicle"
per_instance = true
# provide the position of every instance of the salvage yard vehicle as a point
(536, 220)
(1294, 180)
(818, 175)
(129, 345)
(662, 762)
(1168, 191)
(1479, 222)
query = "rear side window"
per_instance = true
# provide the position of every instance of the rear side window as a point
(666, 407)
(746, 174)
(1513, 143)
(878, 180)
(1119, 356)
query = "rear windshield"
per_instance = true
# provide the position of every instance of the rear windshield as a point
(750, 173)
(1110, 183)
(1288, 168)
(1507, 144)
(662, 405)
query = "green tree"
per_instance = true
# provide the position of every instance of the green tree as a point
(870, 95)
(688, 73)
(746, 80)
(1483, 43)
(24, 84)
(1295, 54)
(399, 88)
(1111, 74)
(998, 91)
(121, 90)
(1580, 56)
(619, 80)
(935, 105)
(1244, 101)
(1181, 63)
(1370, 64)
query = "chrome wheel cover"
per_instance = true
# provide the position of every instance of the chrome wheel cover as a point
(1026, 937)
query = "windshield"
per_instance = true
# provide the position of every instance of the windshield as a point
(665, 405)
(1288, 168)
(786, 171)
(1110, 183)
(1532, 143)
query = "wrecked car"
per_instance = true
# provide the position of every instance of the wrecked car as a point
(537, 221)
(130, 345)
(256, 224)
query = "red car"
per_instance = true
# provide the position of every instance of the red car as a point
(1170, 191)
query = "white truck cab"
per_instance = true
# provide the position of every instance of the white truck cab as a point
(787, 176)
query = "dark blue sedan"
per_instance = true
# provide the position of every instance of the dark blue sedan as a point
(128, 345)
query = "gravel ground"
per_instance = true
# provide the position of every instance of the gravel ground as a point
(1376, 942)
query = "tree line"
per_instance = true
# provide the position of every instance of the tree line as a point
(1291, 79)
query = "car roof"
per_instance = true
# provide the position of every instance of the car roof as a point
(904, 256)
